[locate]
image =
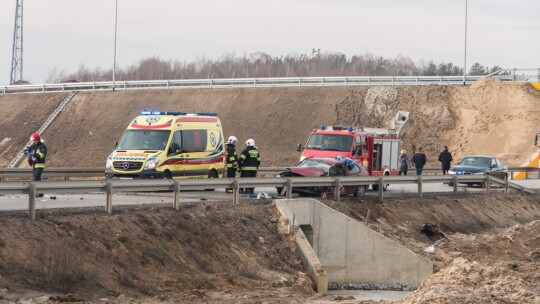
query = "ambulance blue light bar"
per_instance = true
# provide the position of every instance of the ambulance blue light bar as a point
(323, 127)
(176, 113)
(207, 113)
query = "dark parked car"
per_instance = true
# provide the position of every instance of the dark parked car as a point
(480, 164)
(325, 166)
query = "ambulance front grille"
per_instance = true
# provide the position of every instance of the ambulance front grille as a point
(127, 166)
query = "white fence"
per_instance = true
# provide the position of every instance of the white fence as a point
(513, 75)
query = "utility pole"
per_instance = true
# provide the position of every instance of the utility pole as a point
(114, 60)
(465, 59)
(17, 53)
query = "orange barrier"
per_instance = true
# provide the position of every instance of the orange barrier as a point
(536, 85)
(522, 175)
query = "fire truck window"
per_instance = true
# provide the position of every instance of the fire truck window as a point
(377, 155)
(364, 144)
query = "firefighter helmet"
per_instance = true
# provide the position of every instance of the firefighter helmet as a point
(250, 142)
(232, 140)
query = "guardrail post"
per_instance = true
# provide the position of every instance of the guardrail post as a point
(32, 201)
(337, 189)
(487, 182)
(236, 192)
(455, 184)
(108, 207)
(419, 181)
(381, 184)
(176, 203)
(289, 188)
(506, 186)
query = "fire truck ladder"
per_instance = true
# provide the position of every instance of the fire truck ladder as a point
(15, 162)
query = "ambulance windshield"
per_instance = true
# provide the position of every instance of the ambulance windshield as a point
(330, 142)
(144, 140)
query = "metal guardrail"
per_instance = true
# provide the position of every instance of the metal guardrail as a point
(99, 172)
(335, 183)
(265, 82)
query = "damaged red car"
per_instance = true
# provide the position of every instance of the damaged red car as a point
(325, 166)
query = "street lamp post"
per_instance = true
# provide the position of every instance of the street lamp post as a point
(114, 61)
(465, 53)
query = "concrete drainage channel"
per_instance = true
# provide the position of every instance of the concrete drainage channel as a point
(341, 254)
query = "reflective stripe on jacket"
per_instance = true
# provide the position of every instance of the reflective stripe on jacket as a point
(231, 155)
(40, 155)
(250, 159)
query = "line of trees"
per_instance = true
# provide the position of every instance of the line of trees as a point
(264, 65)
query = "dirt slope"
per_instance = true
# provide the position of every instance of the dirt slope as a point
(223, 253)
(487, 118)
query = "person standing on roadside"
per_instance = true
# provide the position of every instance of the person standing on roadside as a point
(446, 159)
(404, 163)
(419, 159)
(232, 159)
(249, 161)
(37, 153)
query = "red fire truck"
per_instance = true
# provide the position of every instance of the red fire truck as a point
(376, 149)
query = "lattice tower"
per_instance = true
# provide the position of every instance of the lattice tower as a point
(17, 57)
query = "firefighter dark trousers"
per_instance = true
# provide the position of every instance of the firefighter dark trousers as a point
(231, 173)
(248, 173)
(36, 174)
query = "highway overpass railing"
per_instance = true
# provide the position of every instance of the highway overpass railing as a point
(511, 75)
(333, 185)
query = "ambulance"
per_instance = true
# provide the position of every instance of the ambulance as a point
(169, 145)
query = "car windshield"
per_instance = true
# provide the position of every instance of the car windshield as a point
(330, 142)
(313, 163)
(476, 162)
(144, 140)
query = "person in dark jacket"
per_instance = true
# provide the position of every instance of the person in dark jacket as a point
(419, 159)
(232, 159)
(446, 159)
(249, 162)
(37, 154)
(404, 163)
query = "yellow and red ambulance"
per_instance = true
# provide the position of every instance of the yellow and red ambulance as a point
(175, 145)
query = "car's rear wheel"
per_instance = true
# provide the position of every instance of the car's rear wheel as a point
(360, 191)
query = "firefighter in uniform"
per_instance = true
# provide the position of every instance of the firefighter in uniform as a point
(232, 159)
(37, 153)
(250, 159)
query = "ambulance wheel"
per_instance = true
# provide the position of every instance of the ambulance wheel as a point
(167, 174)
(212, 174)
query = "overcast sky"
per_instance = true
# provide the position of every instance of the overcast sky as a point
(64, 34)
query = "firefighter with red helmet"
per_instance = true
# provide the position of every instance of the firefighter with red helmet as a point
(250, 159)
(37, 154)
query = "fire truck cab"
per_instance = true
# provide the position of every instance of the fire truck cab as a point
(375, 149)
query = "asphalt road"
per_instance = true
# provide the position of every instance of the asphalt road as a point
(53, 200)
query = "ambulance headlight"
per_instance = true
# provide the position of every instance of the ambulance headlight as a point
(109, 163)
(151, 164)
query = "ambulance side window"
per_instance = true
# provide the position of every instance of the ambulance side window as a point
(176, 143)
(194, 140)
